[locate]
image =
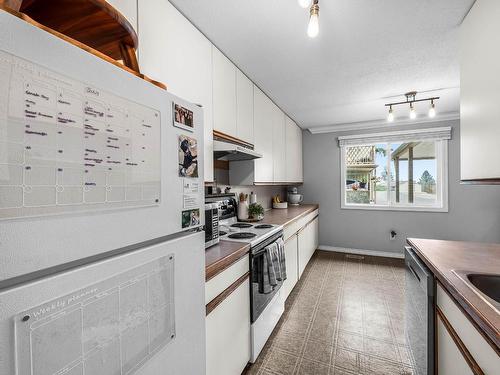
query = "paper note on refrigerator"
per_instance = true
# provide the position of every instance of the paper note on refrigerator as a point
(69, 146)
(191, 193)
(111, 327)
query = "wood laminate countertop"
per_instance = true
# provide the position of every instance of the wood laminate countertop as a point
(285, 216)
(444, 258)
(222, 255)
(225, 253)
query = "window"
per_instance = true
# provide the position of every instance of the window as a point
(396, 171)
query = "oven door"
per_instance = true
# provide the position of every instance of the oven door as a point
(262, 292)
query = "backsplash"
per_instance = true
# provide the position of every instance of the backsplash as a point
(264, 193)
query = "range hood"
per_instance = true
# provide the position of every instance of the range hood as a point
(232, 152)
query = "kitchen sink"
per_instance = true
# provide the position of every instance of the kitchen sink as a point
(486, 284)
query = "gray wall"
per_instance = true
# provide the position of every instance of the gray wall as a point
(474, 211)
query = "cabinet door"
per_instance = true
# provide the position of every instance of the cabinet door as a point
(292, 273)
(315, 224)
(244, 107)
(186, 71)
(228, 333)
(263, 135)
(224, 93)
(279, 151)
(293, 151)
(304, 248)
(450, 360)
(480, 92)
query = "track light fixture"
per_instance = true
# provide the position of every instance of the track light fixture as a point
(390, 117)
(432, 109)
(411, 99)
(413, 113)
(313, 27)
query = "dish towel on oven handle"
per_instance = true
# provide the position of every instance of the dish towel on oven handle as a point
(275, 254)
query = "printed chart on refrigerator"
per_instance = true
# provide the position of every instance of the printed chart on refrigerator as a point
(67, 146)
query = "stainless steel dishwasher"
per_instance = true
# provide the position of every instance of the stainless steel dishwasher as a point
(419, 307)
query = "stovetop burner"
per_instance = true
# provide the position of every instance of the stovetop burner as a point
(222, 233)
(242, 235)
(241, 225)
(263, 226)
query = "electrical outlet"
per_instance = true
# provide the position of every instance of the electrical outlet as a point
(392, 235)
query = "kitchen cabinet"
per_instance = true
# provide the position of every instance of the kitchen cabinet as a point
(307, 243)
(480, 93)
(224, 93)
(293, 144)
(291, 258)
(450, 360)
(460, 346)
(228, 333)
(187, 71)
(263, 136)
(279, 148)
(244, 107)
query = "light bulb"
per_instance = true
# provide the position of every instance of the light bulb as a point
(432, 110)
(390, 116)
(304, 3)
(313, 27)
(413, 113)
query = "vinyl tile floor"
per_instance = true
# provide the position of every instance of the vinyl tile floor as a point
(344, 316)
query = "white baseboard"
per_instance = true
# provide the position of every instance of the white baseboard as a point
(375, 253)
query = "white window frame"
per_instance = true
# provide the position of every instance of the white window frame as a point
(438, 135)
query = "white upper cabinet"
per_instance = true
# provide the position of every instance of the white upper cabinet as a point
(294, 171)
(480, 92)
(279, 147)
(174, 52)
(244, 107)
(224, 93)
(263, 135)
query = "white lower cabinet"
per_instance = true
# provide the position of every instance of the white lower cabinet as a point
(292, 271)
(228, 333)
(307, 244)
(456, 331)
(450, 360)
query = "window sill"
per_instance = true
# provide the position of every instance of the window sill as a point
(393, 208)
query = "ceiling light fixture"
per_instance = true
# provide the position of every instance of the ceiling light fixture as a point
(390, 116)
(413, 113)
(411, 99)
(304, 3)
(432, 109)
(313, 27)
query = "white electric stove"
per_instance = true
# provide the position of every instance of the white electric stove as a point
(253, 233)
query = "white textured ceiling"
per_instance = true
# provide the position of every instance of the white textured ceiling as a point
(368, 52)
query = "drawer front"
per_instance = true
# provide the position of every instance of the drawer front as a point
(479, 349)
(303, 221)
(223, 280)
(297, 225)
(290, 230)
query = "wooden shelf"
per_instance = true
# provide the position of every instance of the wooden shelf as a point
(92, 25)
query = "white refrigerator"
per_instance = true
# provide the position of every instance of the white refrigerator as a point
(101, 196)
